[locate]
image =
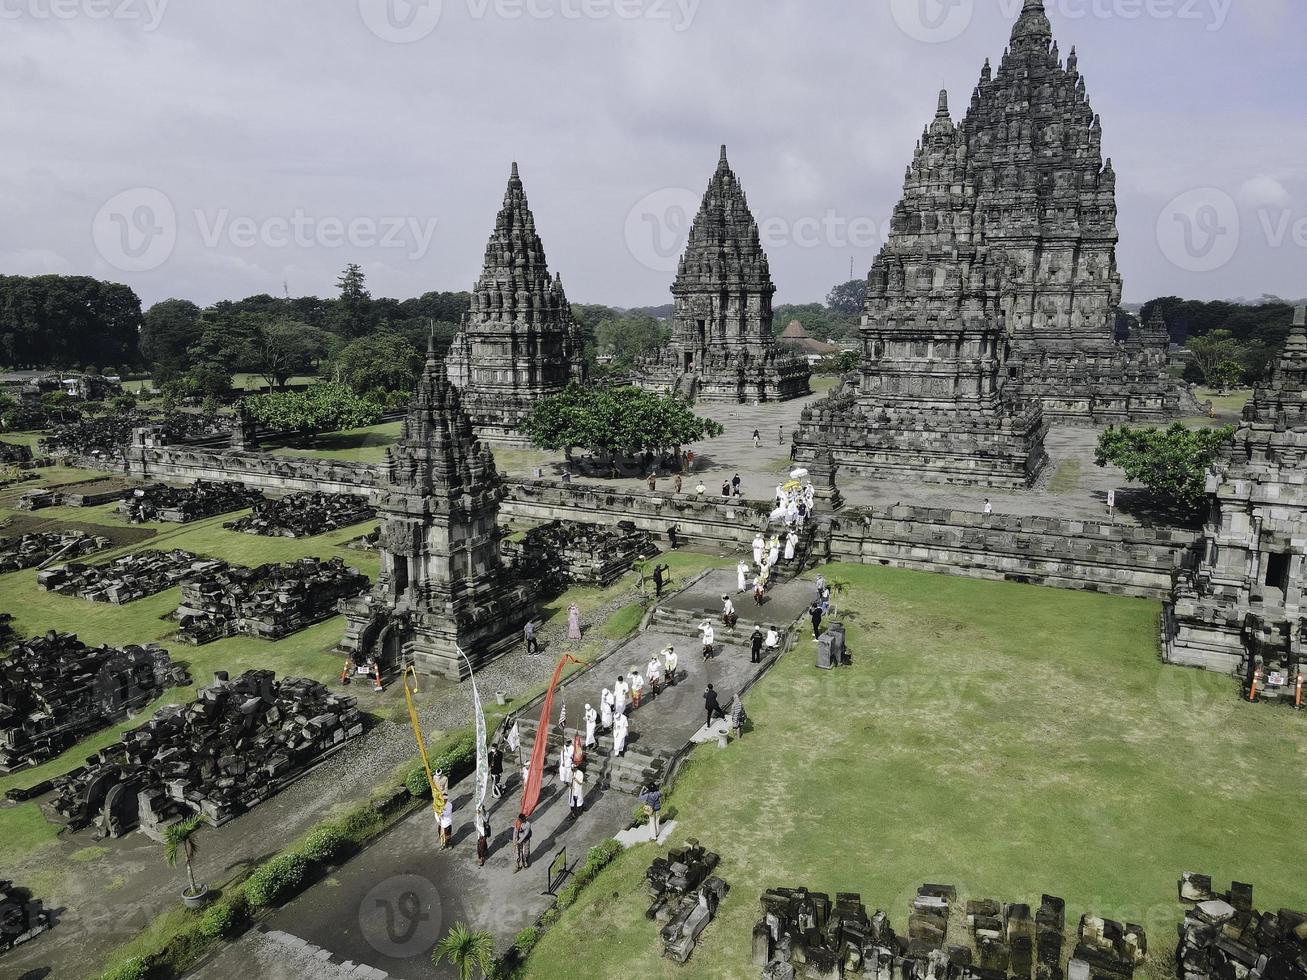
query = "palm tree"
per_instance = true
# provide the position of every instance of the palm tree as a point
(466, 950)
(180, 839)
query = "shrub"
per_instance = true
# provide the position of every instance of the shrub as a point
(526, 940)
(276, 880)
(417, 785)
(324, 845)
(132, 969)
(219, 921)
(360, 824)
(459, 759)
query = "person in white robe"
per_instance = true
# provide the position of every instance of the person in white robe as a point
(654, 672)
(774, 550)
(742, 576)
(636, 683)
(591, 719)
(709, 638)
(621, 692)
(670, 662)
(565, 764)
(606, 711)
(759, 544)
(791, 543)
(773, 640)
(620, 728)
(576, 793)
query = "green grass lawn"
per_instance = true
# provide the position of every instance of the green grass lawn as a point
(1230, 401)
(366, 445)
(1008, 739)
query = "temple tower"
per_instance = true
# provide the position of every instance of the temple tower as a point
(519, 342)
(931, 403)
(442, 585)
(1244, 596)
(722, 347)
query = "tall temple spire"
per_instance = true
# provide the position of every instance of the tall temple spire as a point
(942, 111)
(1033, 31)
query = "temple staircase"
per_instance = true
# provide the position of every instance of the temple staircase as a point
(629, 774)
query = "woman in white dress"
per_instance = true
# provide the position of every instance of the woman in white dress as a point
(791, 543)
(565, 764)
(620, 728)
(591, 719)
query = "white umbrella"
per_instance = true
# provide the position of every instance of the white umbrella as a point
(798, 474)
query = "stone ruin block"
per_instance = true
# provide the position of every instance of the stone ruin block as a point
(105, 436)
(55, 690)
(22, 917)
(804, 933)
(1110, 950)
(1223, 937)
(671, 878)
(690, 917)
(127, 579)
(238, 744)
(560, 553)
(181, 505)
(269, 602)
(303, 515)
(36, 550)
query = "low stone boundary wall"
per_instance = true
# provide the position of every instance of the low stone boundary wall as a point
(261, 470)
(1088, 555)
(1095, 557)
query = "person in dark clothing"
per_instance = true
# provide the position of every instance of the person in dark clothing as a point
(712, 705)
(815, 612)
(756, 640)
(658, 581)
(672, 535)
(532, 644)
(497, 770)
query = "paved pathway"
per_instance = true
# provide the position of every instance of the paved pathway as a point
(387, 907)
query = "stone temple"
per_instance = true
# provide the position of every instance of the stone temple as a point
(932, 402)
(722, 347)
(442, 585)
(999, 273)
(1245, 597)
(519, 343)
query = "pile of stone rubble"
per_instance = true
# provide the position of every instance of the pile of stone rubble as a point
(1223, 937)
(804, 933)
(685, 897)
(129, 578)
(268, 602)
(563, 552)
(55, 690)
(12, 454)
(236, 745)
(303, 515)
(22, 918)
(181, 505)
(46, 547)
(105, 435)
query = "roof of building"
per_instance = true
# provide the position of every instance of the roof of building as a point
(798, 338)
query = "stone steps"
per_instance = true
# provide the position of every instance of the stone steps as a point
(628, 774)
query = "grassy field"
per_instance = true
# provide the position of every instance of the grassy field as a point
(367, 445)
(1008, 739)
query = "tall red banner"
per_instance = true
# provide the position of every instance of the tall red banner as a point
(536, 773)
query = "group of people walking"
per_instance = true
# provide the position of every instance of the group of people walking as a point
(629, 692)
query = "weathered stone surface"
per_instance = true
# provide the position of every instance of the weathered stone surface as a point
(519, 343)
(55, 690)
(269, 602)
(105, 436)
(1243, 598)
(182, 505)
(443, 587)
(560, 553)
(129, 578)
(34, 550)
(232, 748)
(303, 515)
(722, 347)
(991, 311)
(22, 917)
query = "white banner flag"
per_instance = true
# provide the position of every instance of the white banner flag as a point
(479, 719)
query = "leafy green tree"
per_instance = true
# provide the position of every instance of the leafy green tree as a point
(179, 841)
(847, 298)
(629, 336)
(168, 330)
(281, 348)
(354, 313)
(1212, 350)
(1171, 463)
(326, 407)
(1226, 375)
(378, 366)
(615, 423)
(63, 321)
(466, 951)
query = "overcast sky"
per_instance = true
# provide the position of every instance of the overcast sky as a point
(213, 149)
